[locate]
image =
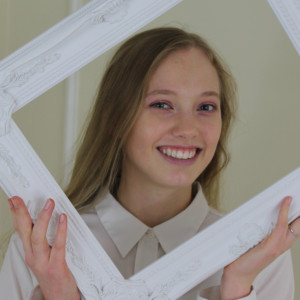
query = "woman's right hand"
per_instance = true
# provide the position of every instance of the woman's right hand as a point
(47, 263)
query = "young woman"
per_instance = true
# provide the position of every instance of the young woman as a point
(146, 177)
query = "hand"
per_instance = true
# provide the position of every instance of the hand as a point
(238, 277)
(47, 264)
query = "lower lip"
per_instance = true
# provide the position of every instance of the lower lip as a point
(180, 162)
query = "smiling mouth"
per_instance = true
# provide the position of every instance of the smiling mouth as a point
(179, 153)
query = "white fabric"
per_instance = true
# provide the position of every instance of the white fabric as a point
(147, 251)
(120, 234)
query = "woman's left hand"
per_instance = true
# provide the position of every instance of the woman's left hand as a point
(238, 277)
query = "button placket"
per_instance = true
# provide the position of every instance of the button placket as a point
(147, 251)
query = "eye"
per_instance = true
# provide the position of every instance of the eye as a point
(161, 105)
(207, 107)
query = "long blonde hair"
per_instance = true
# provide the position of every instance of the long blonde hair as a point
(118, 102)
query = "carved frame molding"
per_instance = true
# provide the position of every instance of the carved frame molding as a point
(288, 13)
(46, 61)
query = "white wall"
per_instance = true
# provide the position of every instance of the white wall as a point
(264, 144)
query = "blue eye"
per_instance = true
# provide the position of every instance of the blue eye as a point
(207, 107)
(161, 105)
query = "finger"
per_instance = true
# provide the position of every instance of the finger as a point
(282, 220)
(11, 205)
(294, 231)
(276, 243)
(59, 246)
(284, 212)
(22, 222)
(38, 237)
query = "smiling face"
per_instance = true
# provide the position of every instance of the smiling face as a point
(178, 129)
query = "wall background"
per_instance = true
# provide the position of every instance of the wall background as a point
(264, 144)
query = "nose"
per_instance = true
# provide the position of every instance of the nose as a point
(185, 126)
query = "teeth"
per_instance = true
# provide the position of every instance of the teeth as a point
(186, 155)
(179, 154)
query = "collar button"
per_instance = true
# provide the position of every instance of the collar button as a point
(150, 234)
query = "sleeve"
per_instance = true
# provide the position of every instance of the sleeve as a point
(276, 282)
(16, 280)
(213, 293)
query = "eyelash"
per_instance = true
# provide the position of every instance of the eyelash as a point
(161, 105)
(207, 107)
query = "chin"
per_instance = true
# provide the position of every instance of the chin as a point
(180, 181)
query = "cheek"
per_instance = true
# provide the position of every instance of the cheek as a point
(148, 131)
(140, 139)
(213, 134)
(219, 131)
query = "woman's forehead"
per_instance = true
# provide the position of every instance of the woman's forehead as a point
(185, 68)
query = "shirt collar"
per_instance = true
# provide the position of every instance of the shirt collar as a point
(126, 230)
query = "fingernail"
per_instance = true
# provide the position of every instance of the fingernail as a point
(14, 202)
(47, 205)
(62, 218)
(289, 200)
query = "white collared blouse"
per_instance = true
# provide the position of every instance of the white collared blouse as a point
(132, 246)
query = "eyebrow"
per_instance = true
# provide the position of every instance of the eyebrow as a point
(169, 92)
(160, 92)
(211, 94)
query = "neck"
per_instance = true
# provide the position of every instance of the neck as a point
(153, 205)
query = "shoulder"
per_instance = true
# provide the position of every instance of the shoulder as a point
(277, 280)
(91, 218)
(214, 213)
(212, 216)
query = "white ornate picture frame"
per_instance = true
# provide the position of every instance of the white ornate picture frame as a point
(54, 56)
(288, 13)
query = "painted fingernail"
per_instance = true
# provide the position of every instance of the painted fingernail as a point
(47, 205)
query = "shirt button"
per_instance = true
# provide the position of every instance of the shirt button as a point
(150, 234)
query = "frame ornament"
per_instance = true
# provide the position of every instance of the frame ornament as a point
(46, 61)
